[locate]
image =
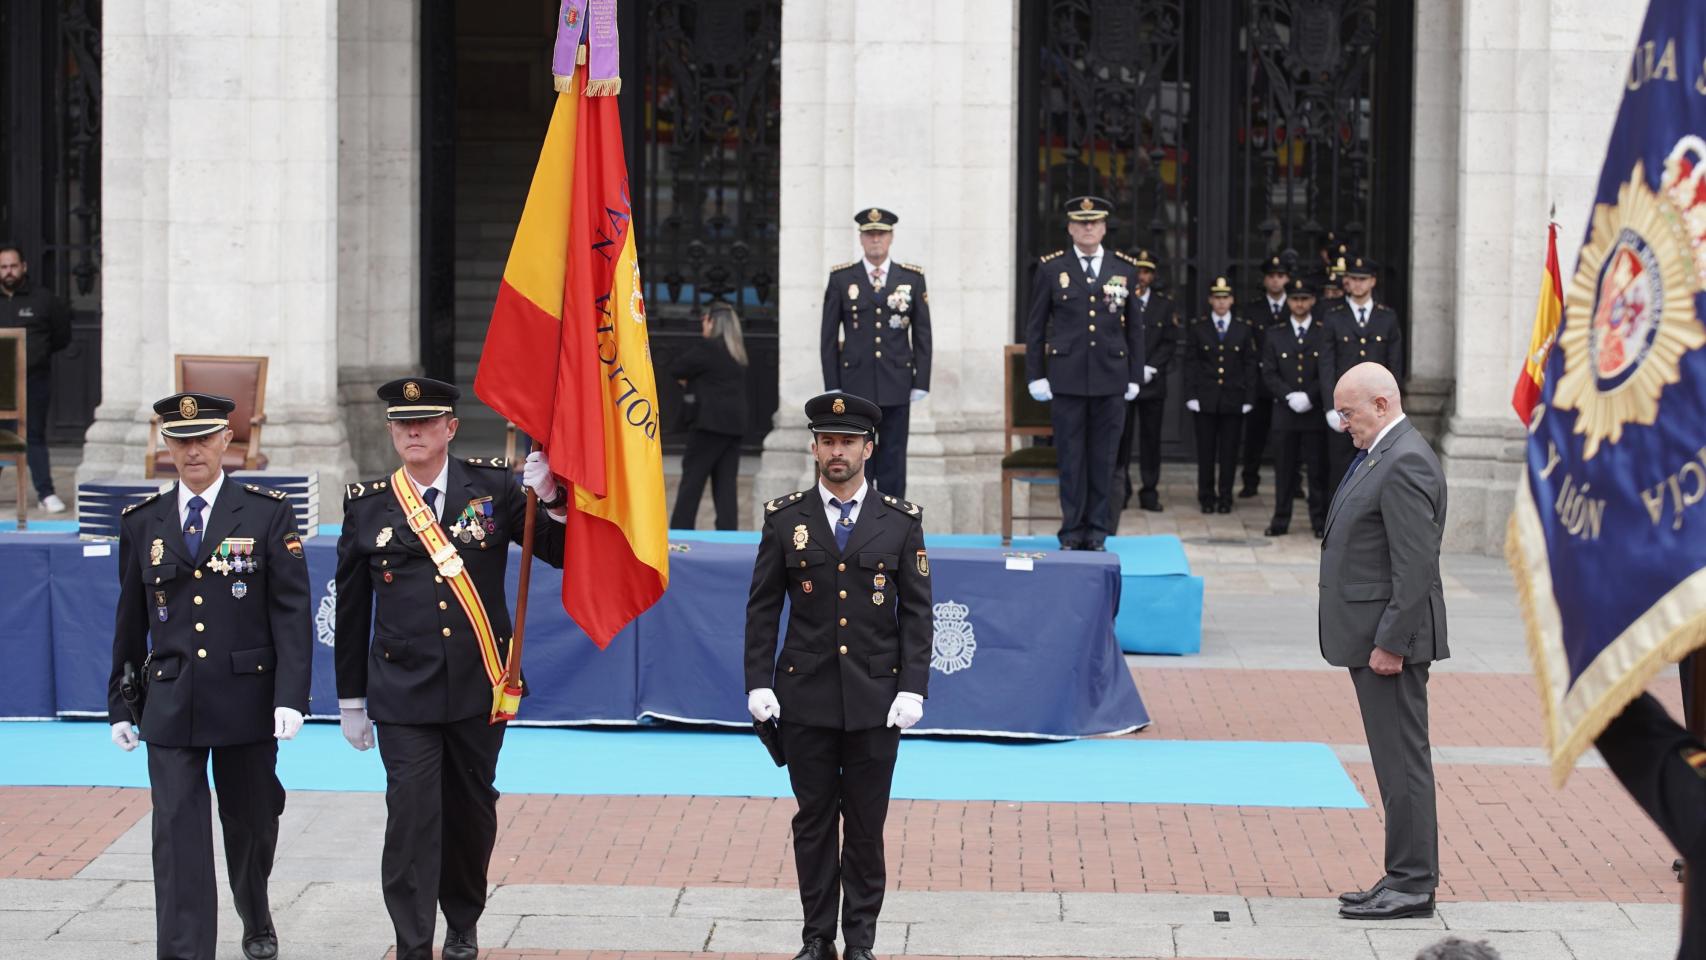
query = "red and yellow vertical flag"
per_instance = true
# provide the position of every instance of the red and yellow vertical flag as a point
(1547, 314)
(568, 356)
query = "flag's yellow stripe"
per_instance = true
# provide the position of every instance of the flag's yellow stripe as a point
(538, 258)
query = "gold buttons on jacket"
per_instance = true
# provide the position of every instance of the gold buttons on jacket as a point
(200, 627)
(844, 649)
(198, 574)
(1092, 328)
(437, 579)
(1092, 313)
(844, 623)
(841, 567)
(201, 652)
(879, 339)
(843, 594)
(443, 606)
(879, 353)
(879, 565)
(790, 668)
(802, 563)
(198, 601)
(446, 631)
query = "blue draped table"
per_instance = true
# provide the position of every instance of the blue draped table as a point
(1031, 653)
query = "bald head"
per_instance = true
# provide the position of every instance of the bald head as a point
(1367, 399)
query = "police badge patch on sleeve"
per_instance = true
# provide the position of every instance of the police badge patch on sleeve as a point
(923, 564)
(293, 543)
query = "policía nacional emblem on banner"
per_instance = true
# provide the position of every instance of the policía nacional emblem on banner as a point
(1629, 316)
(954, 643)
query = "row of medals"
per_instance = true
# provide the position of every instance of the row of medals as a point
(475, 522)
(234, 555)
(878, 582)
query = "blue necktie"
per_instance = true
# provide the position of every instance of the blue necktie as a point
(192, 526)
(432, 501)
(1220, 329)
(1356, 461)
(844, 526)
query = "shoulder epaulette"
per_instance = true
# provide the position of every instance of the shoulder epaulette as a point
(1050, 256)
(1128, 258)
(145, 501)
(780, 502)
(495, 463)
(899, 504)
(915, 268)
(355, 491)
(842, 266)
(261, 491)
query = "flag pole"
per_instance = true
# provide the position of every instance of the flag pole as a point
(506, 697)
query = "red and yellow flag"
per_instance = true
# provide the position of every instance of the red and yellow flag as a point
(1546, 317)
(567, 358)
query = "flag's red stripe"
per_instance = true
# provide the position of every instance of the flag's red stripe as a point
(604, 585)
(518, 367)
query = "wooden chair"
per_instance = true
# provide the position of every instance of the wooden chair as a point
(13, 360)
(243, 379)
(1023, 417)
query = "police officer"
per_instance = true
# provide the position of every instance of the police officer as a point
(1220, 388)
(876, 339)
(1361, 331)
(1084, 356)
(1291, 369)
(1270, 313)
(212, 572)
(853, 668)
(1143, 416)
(421, 618)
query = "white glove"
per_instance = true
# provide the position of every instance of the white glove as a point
(1245, 408)
(918, 395)
(358, 730)
(1335, 421)
(536, 473)
(285, 723)
(1131, 391)
(907, 709)
(1193, 406)
(1298, 401)
(1149, 373)
(761, 703)
(124, 736)
(1040, 391)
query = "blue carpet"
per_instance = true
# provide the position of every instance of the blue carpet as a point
(10, 525)
(704, 763)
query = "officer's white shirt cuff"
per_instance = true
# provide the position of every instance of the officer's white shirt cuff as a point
(911, 696)
(348, 703)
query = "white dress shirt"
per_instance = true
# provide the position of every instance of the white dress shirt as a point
(1277, 307)
(210, 494)
(441, 483)
(833, 514)
(1384, 431)
(884, 267)
(1095, 260)
(1300, 329)
(1361, 311)
(1222, 322)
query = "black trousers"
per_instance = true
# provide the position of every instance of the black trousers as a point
(1395, 721)
(38, 392)
(1217, 445)
(1341, 450)
(1297, 452)
(1257, 423)
(845, 775)
(1143, 423)
(1086, 441)
(709, 455)
(186, 904)
(441, 819)
(888, 461)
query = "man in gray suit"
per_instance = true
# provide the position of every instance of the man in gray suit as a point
(1382, 615)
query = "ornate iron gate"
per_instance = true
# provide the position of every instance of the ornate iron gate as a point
(50, 180)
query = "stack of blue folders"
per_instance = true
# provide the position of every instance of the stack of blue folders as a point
(101, 503)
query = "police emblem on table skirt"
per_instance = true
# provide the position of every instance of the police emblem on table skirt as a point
(955, 642)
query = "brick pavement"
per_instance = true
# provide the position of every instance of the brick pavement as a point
(49, 833)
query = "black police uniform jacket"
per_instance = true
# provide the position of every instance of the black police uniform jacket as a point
(872, 348)
(224, 656)
(846, 653)
(1161, 332)
(1075, 333)
(403, 641)
(1289, 366)
(1260, 314)
(1221, 375)
(1381, 341)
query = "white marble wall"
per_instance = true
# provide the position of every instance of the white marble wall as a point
(921, 122)
(219, 205)
(1538, 83)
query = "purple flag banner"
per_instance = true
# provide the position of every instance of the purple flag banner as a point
(568, 52)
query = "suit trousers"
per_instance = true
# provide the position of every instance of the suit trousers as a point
(845, 772)
(38, 393)
(1143, 423)
(713, 456)
(186, 903)
(1341, 450)
(1217, 445)
(1395, 720)
(888, 460)
(1297, 452)
(1086, 441)
(1257, 423)
(441, 820)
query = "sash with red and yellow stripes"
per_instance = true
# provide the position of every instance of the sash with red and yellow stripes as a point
(444, 556)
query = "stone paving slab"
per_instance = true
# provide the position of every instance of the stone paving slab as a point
(783, 936)
(1143, 909)
(611, 933)
(992, 935)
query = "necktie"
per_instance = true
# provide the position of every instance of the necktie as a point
(1300, 330)
(192, 525)
(877, 278)
(843, 526)
(1220, 328)
(432, 501)
(1362, 316)
(1356, 461)
(1089, 269)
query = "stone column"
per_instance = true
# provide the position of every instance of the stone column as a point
(921, 122)
(219, 219)
(1433, 213)
(1540, 83)
(378, 214)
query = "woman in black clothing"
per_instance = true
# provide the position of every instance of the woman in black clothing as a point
(713, 373)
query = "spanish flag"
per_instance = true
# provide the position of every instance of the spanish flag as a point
(568, 360)
(1546, 316)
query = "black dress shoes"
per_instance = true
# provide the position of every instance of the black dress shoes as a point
(1150, 502)
(859, 953)
(260, 946)
(1319, 533)
(460, 946)
(1208, 507)
(817, 948)
(1095, 546)
(1274, 530)
(1248, 491)
(1223, 508)
(1362, 896)
(1389, 904)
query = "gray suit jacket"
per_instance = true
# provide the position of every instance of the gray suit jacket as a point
(1380, 583)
